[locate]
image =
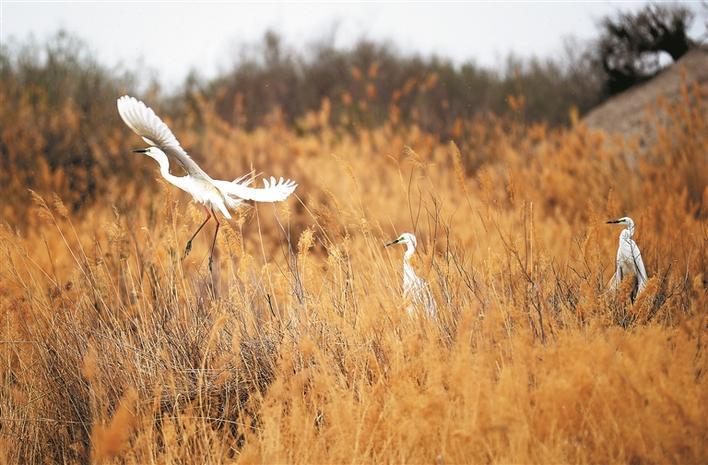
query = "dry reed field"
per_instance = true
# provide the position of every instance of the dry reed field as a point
(297, 347)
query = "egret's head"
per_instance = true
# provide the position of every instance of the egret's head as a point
(152, 152)
(405, 238)
(624, 220)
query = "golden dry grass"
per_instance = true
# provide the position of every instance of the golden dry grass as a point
(297, 348)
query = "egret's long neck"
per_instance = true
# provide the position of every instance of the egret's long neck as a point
(164, 163)
(630, 228)
(407, 268)
(410, 249)
(409, 277)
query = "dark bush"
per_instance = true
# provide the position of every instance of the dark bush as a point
(630, 43)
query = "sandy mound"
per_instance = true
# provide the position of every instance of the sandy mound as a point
(626, 113)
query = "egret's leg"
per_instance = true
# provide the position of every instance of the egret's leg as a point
(188, 248)
(213, 242)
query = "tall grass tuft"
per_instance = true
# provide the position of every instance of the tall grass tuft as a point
(298, 347)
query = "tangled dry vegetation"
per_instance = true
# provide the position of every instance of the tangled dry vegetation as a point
(297, 347)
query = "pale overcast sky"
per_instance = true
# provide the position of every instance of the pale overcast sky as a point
(173, 38)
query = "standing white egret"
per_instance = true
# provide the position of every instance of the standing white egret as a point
(213, 194)
(629, 259)
(415, 288)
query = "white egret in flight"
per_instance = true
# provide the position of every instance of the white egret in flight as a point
(629, 259)
(213, 194)
(415, 289)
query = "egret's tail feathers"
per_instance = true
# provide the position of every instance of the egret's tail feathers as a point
(223, 208)
(232, 203)
(641, 284)
(614, 282)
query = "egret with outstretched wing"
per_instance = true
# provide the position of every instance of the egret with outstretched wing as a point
(213, 194)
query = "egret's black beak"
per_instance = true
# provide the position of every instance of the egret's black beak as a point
(392, 242)
(612, 221)
(140, 150)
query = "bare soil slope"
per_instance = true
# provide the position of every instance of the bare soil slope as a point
(626, 113)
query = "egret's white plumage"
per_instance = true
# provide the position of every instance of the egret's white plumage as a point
(629, 260)
(415, 288)
(212, 193)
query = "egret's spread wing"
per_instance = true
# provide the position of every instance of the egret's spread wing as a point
(145, 123)
(274, 190)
